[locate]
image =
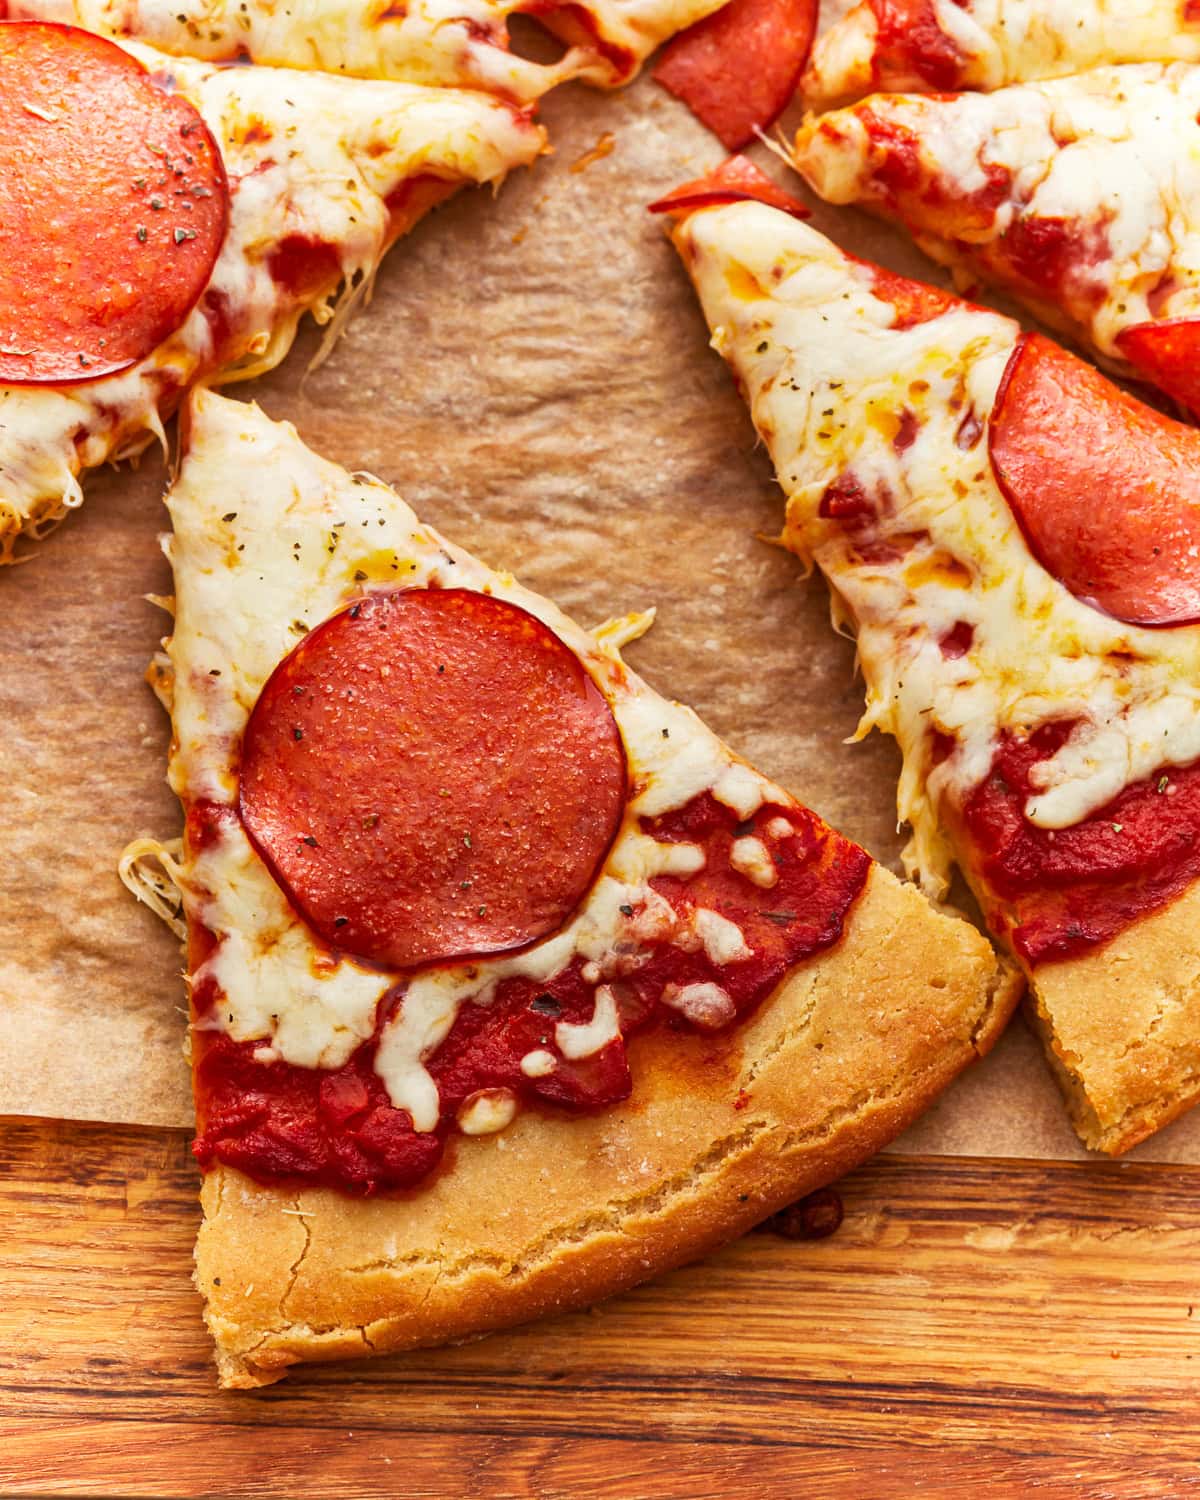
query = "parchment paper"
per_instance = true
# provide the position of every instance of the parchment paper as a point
(534, 377)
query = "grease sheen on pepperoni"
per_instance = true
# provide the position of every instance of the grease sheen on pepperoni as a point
(432, 775)
(113, 206)
(1106, 490)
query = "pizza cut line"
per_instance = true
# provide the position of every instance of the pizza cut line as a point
(241, 199)
(476, 915)
(940, 46)
(1081, 196)
(1034, 654)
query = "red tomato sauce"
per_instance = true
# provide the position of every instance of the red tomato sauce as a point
(905, 178)
(337, 1128)
(1059, 893)
(908, 39)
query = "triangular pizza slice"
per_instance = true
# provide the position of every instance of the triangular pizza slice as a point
(165, 221)
(1081, 196)
(932, 46)
(510, 984)
(1015, 543)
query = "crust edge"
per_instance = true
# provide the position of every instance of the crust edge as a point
(724, 1180)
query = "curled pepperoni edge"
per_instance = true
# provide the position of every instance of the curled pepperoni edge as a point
(736, 180)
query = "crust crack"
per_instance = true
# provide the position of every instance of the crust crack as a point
(613, 1218)
(294, 1269)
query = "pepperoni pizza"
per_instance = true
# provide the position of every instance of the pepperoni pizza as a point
(1080, 195)
(936, 46)
(459, 43)
(475, 916)
(166, 221)
(1035, 654)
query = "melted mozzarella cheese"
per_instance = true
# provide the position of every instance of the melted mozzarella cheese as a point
(829, 380)
(1006, 41)
(705, 1004)
(269, 540)
(461, 43)
(487, 1111)
(722, 940)
(1115, 153)
(274, 983)
(751, 857)
(576, 1041)
(310, 158)
(621, 34)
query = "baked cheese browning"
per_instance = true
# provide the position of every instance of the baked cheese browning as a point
(1048, 748)
(1080, 195)
(147, 231)
(321, 1053)
(932, 46)
(324, 175)
(437, 43)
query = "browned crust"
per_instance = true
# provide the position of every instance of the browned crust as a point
(1121, 1027)
(555, 1213)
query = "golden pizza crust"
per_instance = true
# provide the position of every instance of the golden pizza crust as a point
(555, 1213)
(1121, 1026)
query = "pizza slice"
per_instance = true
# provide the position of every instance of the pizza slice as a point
(510, 984)
(457, 43)
(1015, 543)
(164, 221)
(1081, 196)
(935, 46)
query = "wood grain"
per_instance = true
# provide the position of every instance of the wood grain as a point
(1027, 1325)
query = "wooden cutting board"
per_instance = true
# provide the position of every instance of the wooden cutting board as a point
(1013, 1327)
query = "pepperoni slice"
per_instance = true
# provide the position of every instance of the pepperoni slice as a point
(915, 301)
(1168, 355)
(737, 68)
(432, 775)
(737, 180)
(113, 205)
(1106, 490)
